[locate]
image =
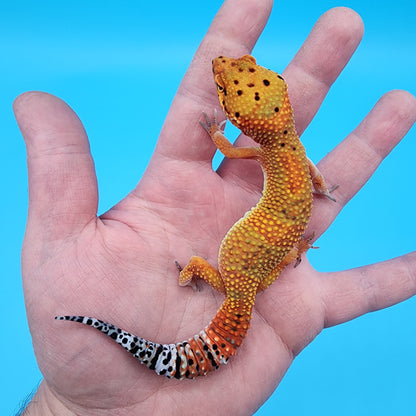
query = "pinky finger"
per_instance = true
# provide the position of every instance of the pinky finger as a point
(352, 293)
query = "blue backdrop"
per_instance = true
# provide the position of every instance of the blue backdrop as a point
(103, 57)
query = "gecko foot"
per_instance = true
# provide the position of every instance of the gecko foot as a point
(304, 245)
(327, 192)
(193, 282)
(212, 123)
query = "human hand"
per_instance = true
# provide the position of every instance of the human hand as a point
(119, 267)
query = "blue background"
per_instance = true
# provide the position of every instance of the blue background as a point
(104, 57)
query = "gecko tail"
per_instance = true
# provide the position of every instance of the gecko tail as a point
(197, 356)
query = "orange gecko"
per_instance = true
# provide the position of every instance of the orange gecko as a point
(258, 246)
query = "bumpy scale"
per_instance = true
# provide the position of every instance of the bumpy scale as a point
(262, 243)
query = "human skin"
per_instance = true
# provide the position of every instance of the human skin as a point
(120, 266)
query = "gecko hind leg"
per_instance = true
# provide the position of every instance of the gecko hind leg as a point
(319, 185)
(293, 256)
(303, 246)
(199, 268)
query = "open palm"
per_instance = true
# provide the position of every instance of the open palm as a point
(120, 267)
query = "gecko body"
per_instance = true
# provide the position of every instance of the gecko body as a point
(261, 244)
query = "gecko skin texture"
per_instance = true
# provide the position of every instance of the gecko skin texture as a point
(261, 244)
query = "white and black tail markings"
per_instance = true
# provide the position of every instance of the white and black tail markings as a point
(188, 359)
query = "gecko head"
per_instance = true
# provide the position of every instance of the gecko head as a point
(253, 98)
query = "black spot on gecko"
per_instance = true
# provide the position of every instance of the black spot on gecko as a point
(134, 349)
(237, 114)
(212, 359)
(236, 81)
(285, 132)
(252, 70)
(250, 85)
(239, 92)
(256, 96)
(276, 109)
(266, 82)
(167, 359)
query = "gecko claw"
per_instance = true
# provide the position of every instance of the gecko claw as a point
(222, 124)
(330, 190)
(298, 261)
(178, 266)
(207, 123)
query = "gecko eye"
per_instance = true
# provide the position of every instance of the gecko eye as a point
(220, 89)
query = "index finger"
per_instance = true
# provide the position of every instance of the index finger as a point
(234, 30)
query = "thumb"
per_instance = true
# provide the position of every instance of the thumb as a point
(63, 193)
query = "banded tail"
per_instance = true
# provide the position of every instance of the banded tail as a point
(197, 356)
